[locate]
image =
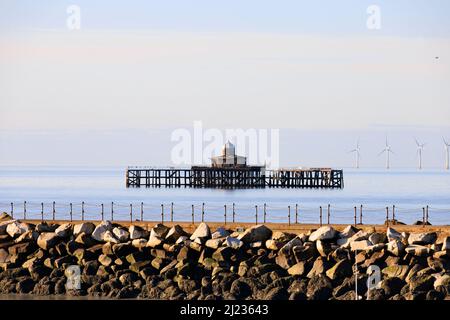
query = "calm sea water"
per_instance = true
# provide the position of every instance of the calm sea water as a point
(408, 190)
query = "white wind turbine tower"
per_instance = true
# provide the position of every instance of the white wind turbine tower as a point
(388, 150)
(419, 152)
(356, 150)
(446, 146)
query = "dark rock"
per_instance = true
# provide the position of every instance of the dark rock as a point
(435, 295)
(91, 267)
(348, 284)
(392, 286)
(298, 296)
(25, 285)
(277, 293)
(187, 285)
(319, 288)
(421, 283)
(240, 289)
(127, 292)
(349, 295)
(122, 250)
(187, 253)
(376, 294)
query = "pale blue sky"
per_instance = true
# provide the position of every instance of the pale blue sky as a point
(416, 18)
(138, 69)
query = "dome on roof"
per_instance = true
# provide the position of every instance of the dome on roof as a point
(228, 149)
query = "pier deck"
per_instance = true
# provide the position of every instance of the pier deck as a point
(236, 177)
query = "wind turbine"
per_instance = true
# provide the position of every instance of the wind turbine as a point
(388, 150)
(446, 146)
(419, 152)
(356, 150)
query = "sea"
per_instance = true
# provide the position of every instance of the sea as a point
(95, 193)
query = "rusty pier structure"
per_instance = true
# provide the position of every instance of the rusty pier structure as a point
(231, 171)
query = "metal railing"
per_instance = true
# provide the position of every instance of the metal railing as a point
(290, 214)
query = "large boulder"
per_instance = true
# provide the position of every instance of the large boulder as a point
(417, 250)
(47, 240)
(323, 233)
(3, 225)
(154, 240)
(64, 230)
(101, 229)
(348, 232)
(202, 232)
(446, 244)
(221, 232)
(278, 240)
(340, 270)
(174, 234)
(319, 267)
(422, 238)
(360, 245)
(298, 269)
(137, 232)
(108, 236)
(396, 247)
(30, 235)
(214, 243)
(393, 234)
(139, 243)
(85, 227)
(256, 233)
(319, 288)
(233, 242)
(397, 271)
(16, 228)
(121, 234)
(160, 230)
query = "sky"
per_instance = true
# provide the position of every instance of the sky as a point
(113, 91)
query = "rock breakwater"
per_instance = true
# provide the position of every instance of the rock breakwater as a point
(256, 263)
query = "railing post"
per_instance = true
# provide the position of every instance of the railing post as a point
(256, 214)
(387, 216)
(103, 212)
(203, 212)
(426, 215)
(328, 214)
(320, 215)
(54, 210)
(171, 212)
(355, 216)
(361, 214)
(225, 213)
(162, 213)
(192, 207)
(142, 211)
(296, 213)
(24, 210)
(112, 211)
(71, 213)
(12, 210)
(393, 213)
(265, 213)
(289, 215)
(423, 216)
(234, 212)
(42, 212)
(131, 213)
(82, 211)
